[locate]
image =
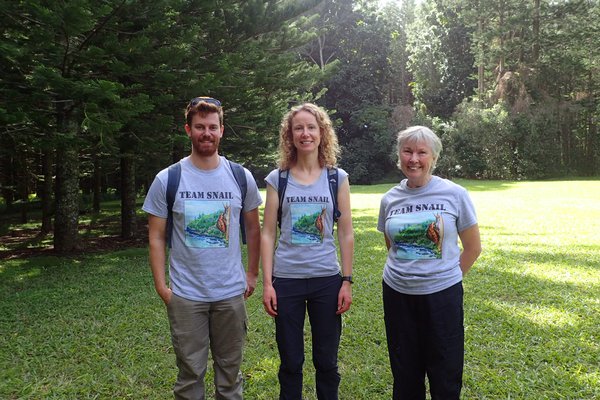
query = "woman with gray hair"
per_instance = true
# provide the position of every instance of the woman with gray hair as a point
(422, 220)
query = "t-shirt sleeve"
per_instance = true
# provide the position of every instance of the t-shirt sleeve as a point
(467, 216)
(342, 175)
(253, 199)
(382, 212)
(155, 202)
(273, 179)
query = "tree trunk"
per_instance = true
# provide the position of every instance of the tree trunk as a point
(128, 197)
(565, 120)
(22, 183)
(7, 181)
(591, 131)
(321, 43)
(66, 223)
(502, 58)
(590, 144)
(46, 191)
(97, 185)
(481, 62)
(535, 54)
(66, 220)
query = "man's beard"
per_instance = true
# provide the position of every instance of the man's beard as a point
(205, 151)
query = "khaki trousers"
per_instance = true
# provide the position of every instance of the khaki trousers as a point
(196, 326)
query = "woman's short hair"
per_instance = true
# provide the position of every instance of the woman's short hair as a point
(329, 148)
(420, 134)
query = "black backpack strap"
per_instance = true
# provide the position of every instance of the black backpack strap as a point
(172, 185)
(282, 185)
(333, 179)
(240, 178)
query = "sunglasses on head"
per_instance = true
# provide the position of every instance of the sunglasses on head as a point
(194, 102)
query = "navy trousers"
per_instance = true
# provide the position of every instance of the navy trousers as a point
(425, 336)
(318, 296)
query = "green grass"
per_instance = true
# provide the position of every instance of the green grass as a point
(92, 327)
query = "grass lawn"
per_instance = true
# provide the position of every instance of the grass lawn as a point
(91, 327)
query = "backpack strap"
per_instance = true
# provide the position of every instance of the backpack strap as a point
(172, 185)
(240, 178)
(282, 185)
(333, 179)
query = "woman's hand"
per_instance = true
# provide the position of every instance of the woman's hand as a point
(344, 298)
(270, 300)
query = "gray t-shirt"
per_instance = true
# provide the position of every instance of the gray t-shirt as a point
(422, 225)
(205, 258)
(306, 246)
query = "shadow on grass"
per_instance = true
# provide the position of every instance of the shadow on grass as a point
(583, 255)
(45, 271)
(527, 330)
(80, 326)
(531, 317)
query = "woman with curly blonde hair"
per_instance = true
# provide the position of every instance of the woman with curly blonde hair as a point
(329, 149)
(303, 273)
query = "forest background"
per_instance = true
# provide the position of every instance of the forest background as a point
(93, 92)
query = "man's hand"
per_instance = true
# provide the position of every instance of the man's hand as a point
(165, 294)
(250, 284)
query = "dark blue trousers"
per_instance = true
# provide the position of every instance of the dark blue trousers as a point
(294, 298)
(425, 336)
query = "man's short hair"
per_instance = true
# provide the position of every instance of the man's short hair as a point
(203, 106)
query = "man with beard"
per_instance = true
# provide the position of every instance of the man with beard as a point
(207, 281)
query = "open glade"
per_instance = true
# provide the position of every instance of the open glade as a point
(91, 327)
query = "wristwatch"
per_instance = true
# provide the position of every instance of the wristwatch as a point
(347, 278)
